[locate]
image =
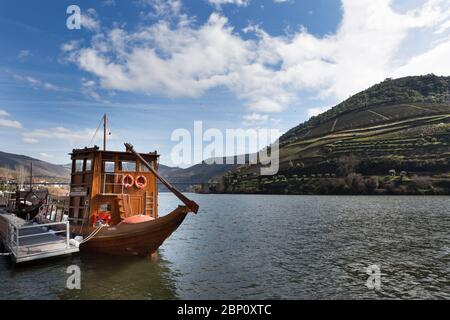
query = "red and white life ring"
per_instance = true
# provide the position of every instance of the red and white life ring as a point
(103, 217)
(141, 182)
(128, 181)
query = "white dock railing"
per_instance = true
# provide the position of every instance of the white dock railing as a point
(22, 235)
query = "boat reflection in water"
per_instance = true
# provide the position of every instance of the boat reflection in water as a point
(111, 277)
(102, 277)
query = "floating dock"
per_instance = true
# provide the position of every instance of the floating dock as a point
(28, 242)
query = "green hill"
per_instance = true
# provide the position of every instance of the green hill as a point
(391, 138)
(10, 162)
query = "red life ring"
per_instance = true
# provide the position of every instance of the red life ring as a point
(141, 182)
(103, 216)
(128, 181)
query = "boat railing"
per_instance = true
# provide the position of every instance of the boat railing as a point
(37, 235)
(112, 183)
(11, 204)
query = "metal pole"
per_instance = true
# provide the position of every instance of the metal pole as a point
(67, 234)
(17, 237)
(104, 132)
(31, 176)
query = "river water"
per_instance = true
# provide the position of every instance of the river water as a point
(268, 247)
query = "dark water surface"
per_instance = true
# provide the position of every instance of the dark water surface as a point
(259, 246)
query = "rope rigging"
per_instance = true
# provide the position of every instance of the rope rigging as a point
(95, 133)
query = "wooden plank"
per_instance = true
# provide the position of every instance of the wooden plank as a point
(46, 254)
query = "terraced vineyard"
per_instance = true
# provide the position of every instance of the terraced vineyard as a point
(371, 142)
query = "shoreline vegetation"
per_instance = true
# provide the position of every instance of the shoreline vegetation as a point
(347, 181)
(353, 184)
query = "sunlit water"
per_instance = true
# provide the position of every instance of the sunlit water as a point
(260, 247)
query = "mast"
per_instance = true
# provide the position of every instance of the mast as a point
(104, 132)
(31, 175)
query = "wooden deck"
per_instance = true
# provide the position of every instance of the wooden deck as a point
(33, 242)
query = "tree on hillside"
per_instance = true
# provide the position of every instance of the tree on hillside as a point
(347, 164)
(4, 172)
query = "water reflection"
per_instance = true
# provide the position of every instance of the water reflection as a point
(109, 277)
(102, 277)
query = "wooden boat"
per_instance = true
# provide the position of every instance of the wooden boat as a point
(135, 239)
(114, 201)
(28, 203)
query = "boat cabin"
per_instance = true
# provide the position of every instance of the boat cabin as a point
(109, 186)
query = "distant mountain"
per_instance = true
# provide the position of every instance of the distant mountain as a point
(391, 138)
(198, 174)
(40, 168)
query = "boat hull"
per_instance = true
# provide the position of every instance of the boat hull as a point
(139, 239)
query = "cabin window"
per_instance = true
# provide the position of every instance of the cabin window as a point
(78, 165)
(88, 165)
(128, 166)
(109, 166)
(106, 207)
(143, 168)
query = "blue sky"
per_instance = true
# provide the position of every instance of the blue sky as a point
(154, 66)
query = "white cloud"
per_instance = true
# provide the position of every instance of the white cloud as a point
(70, 46)
(219, 3)
(316, 111)
(8, 122)
(433, 60)
(58, 133)
(109, 3)
(24, 54)
(30, 140)
(45, 155)
(196, 58)
(163, 7)
(372, 42)
(239, 3)
(37, 83)
(89, 20)
(256, 117)
(88, 88)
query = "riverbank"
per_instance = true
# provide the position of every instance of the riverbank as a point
(352, 184)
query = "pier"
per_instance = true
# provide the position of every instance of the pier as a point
(28, 242)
